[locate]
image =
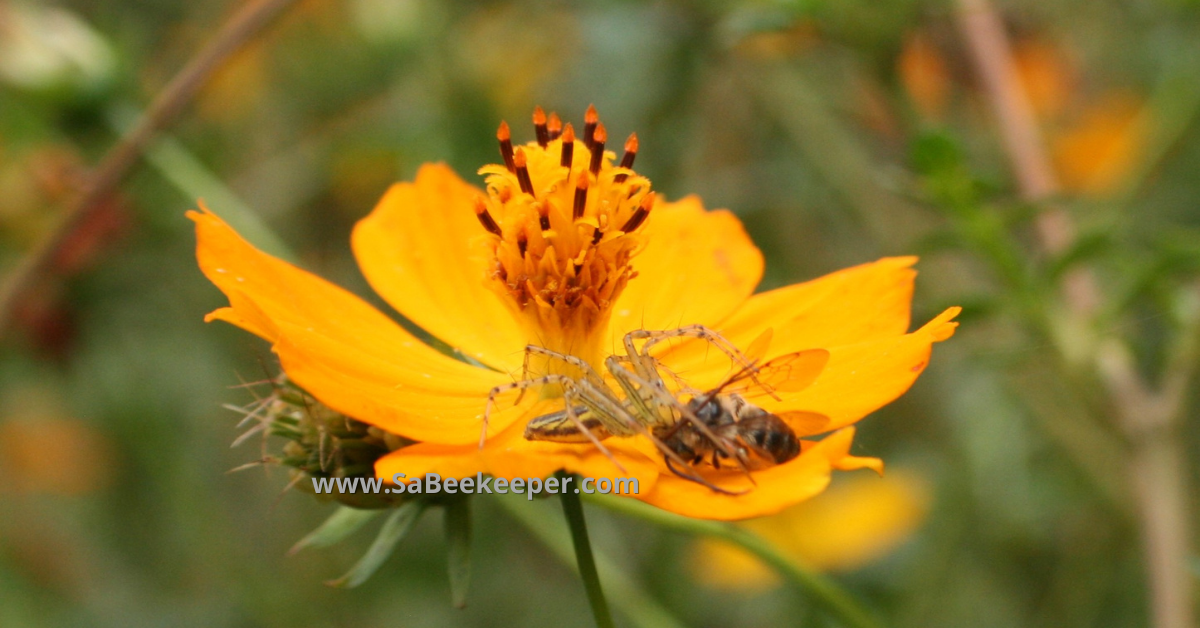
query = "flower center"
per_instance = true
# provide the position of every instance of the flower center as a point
(565, 224)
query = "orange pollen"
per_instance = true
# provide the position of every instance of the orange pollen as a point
(563, 240)
(555, 126)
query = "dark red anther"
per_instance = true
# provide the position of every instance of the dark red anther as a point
(539, 125)
(555, 126)
(485, 217)
(590, 120)
(631, 149)
(568, 146)
(522, 244)
(506, 147)
(598, 139)
(581, 189)
(639, 214)
(522, 172)
(596, 235)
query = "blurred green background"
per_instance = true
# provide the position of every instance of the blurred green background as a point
(839, 131)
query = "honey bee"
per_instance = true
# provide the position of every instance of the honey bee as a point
(718, 428)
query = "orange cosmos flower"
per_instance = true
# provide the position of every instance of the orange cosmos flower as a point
(568, 251)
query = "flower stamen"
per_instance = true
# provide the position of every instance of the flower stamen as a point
(568, 149)
(485, 217)
(558, 256)
(640, 214)
(539, 127)
(555, 126)
(590, 120)
(581, 191)
(523, 172)
(631, 148)
(506, 148)
(598, 138)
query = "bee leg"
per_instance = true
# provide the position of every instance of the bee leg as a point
(701, 481)
(716, 459)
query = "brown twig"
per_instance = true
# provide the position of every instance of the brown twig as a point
(990, 50)
(1148, 417)
(247, 22)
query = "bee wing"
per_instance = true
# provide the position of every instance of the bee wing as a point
(791, 372)
(804, 423)
(758, 348)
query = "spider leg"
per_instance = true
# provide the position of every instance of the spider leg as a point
(570, 394)
(578, 363)
(710, 336)
(522, 385)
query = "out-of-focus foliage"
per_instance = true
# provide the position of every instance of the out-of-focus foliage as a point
(839, 132)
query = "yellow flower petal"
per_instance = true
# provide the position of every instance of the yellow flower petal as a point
(386, 394)
(312, 321)
(859, 379)
(698, 267)
(850, 306)
(774, 488)
(418, 251)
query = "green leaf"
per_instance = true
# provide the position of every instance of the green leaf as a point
(936, 152)
(397, 526)
(342, 523)
(458, 541)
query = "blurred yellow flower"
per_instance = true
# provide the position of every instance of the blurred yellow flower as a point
(924, 75)
(858, 520)
(43, 451)
(1045, 74)
(1097, 154)
(546, 257)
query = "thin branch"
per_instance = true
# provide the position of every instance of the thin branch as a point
(984, 34)
(247, 22)
(1147, 416)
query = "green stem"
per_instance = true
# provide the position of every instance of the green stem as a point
(823, 591)
(628, 596)
(573, 509)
